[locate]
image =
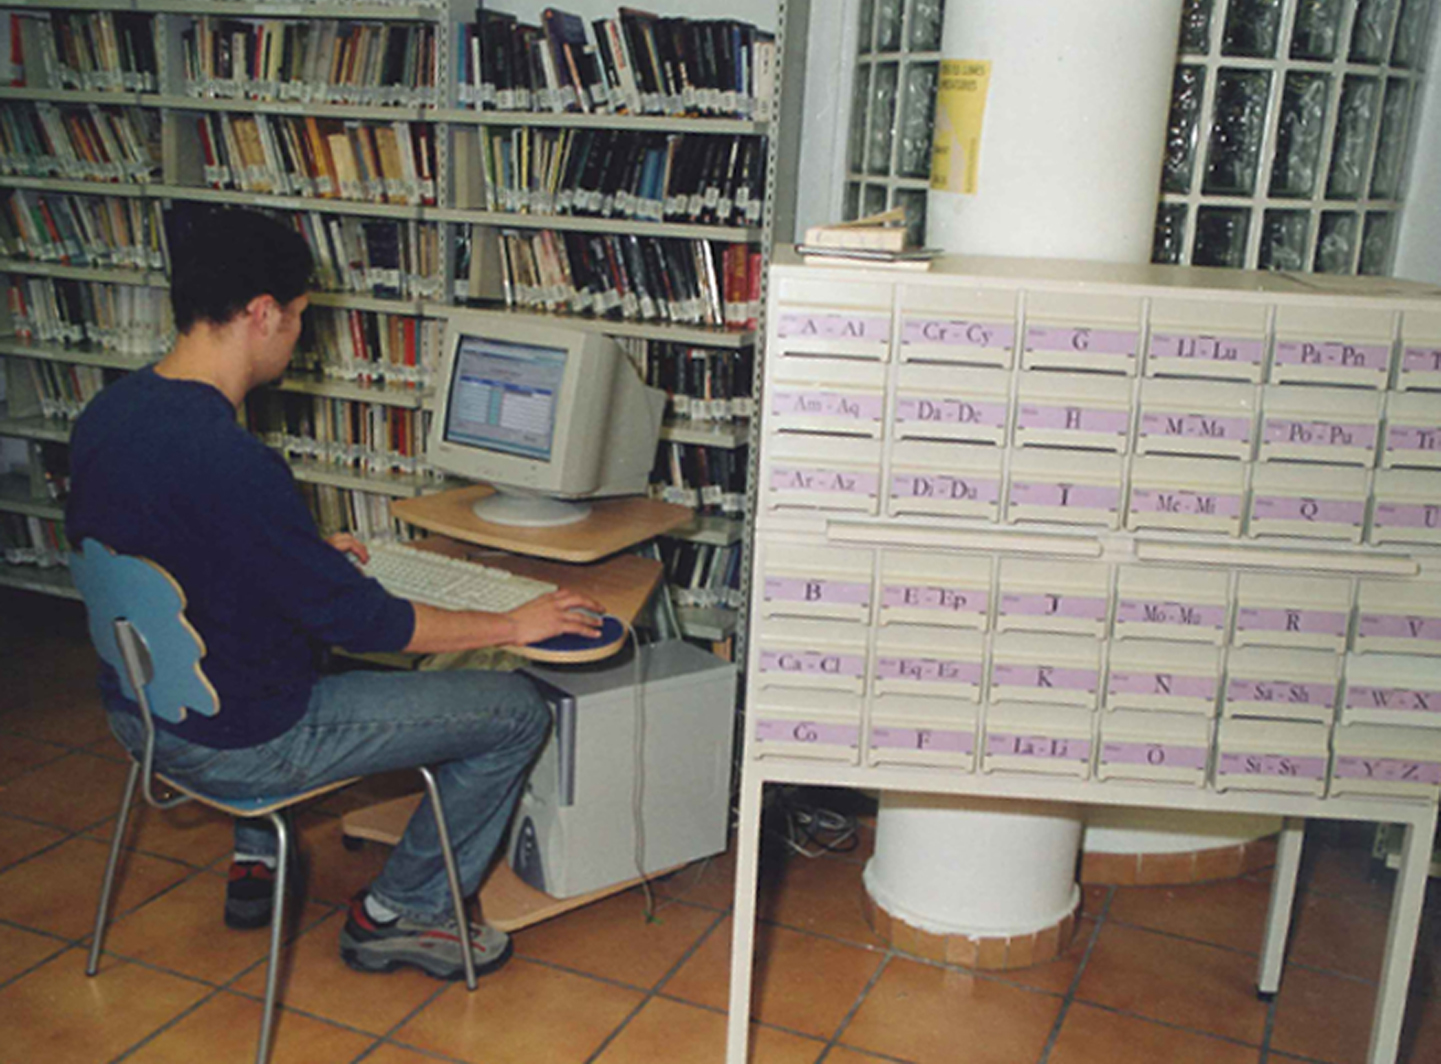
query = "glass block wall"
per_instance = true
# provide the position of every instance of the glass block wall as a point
(1290, 132)
(888, 161)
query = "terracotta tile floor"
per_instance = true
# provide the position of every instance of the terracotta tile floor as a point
(1155, 975)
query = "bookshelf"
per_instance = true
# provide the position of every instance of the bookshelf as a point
(447, 229)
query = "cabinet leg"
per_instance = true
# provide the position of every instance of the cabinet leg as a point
(1278, 915)
(744, 919)
(1401, 933)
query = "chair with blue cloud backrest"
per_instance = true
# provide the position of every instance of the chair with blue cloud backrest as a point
(136, 613)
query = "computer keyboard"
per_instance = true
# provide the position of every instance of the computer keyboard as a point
(436, 580)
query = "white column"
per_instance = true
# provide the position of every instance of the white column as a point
(1074, 129)
(1069, 167)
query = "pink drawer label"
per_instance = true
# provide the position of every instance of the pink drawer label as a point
(875, 327)
(1413, 438)
(830, 481)
(824, 592)
(1320, 433)
(1309, 622)
(926, 597)
(1157, 755)
(1049, 605)
(1308, 510)
(928, 670)
(827, 404)
(956, 332)
(1406, 515)
(1207, 348)
(1393, 698)
(1281, 692)
(1197, 427)
(1305, 768)
(1184, 503)
(949, 410)
(1065, 496)
(944, 486)
(1044, 677)
(1421, 360)
(1390, 770)
(804, 731)
(1041, 746)
(938, 739)
(1161, 683)
(813, 663)
(1081, 339)
(1188, 614)
(1399, 626)
(1073, 419)
(1333, 353)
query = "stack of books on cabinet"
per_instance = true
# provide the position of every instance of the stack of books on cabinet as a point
(610, 167)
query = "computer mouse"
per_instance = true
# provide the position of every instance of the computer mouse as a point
(598, 618)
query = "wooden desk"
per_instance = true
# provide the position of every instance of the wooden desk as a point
(613, 525)
(622, 584)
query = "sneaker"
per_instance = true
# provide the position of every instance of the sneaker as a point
(249, 895)
(370, 946)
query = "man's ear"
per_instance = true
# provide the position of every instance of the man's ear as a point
(263, 312)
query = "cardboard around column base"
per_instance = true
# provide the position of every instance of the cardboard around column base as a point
(1001, 953)
(1177, 869)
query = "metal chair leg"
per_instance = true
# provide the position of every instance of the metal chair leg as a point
(452, 873)
(102, 911)
(277, 924)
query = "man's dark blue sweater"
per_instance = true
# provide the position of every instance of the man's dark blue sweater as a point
(160, 468)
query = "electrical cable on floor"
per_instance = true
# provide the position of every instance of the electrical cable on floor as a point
(805, 825)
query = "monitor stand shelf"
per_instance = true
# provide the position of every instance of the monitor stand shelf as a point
(507, 902)
(612, 525)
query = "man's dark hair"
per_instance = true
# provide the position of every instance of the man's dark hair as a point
(222, 259)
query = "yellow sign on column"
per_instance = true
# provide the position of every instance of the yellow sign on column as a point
(960, 107)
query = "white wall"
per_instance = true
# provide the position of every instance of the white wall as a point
(1418, 250)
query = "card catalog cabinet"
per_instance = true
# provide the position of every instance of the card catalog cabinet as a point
(1104, 523)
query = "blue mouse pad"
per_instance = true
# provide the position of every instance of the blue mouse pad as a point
(611, 631)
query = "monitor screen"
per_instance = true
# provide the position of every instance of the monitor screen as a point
(503, 396)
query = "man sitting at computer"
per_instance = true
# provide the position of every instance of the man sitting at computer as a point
(160, 468)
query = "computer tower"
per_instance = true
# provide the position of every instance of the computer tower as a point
(575, 828)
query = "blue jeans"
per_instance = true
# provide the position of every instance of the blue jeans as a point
(479, 731)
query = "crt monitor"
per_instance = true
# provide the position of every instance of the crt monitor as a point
(545, 414)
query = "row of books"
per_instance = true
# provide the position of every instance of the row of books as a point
(373, 256)
(615, 173)
(363, 437)
(312, 61)
(360, 513)
(127, 319)
(79, 143)
(635, 63)
(49, 467)
(96, 51)
(64, 388)
(373, 162)
(631, 278)
(96, 231)
(366, 347)
(703, 574)
(33, 541)
(710, 480)
(703, 383)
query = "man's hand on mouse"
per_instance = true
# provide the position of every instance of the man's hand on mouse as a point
(558, 613)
